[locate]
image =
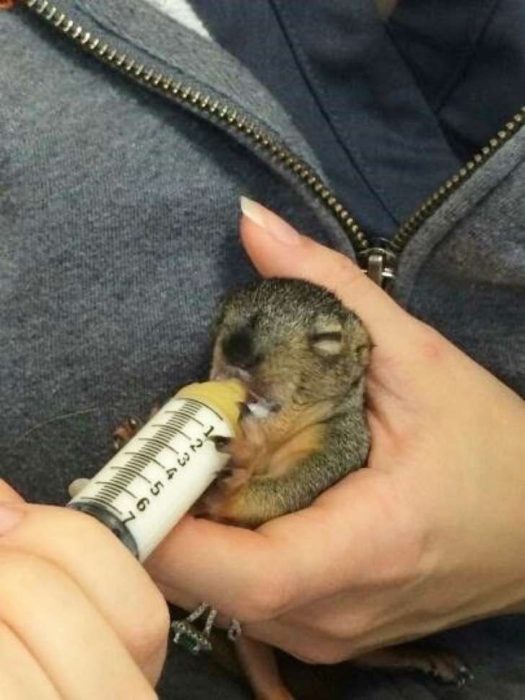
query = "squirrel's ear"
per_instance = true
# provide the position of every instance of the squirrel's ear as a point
(326, 336)
(362, 344)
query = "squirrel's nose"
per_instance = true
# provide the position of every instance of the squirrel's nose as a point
(238, 349)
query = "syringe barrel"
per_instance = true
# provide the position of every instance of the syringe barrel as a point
(147, 487)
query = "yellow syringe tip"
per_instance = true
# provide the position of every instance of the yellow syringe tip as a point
(224, 396)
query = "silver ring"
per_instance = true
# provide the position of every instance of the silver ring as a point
(188, 636)
(234, 630)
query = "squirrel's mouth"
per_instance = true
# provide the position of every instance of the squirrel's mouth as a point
(257, 404)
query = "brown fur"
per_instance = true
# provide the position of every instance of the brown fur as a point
(267, 449)
(299, 349)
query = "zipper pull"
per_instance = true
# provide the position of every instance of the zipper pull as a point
(379, 262)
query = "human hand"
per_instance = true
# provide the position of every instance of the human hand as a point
(430, 536)
(79, 617)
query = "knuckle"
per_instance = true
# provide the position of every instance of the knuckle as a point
(431, 346)
(20, 570)
(23, 576)
(146, 635)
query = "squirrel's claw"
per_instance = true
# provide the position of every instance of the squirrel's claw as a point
(244, 410)
(125, 431)
(221, 442)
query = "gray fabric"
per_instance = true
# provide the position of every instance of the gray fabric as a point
(192, 55)
(104, 238)
(118, 218)
(199, 60)
(464, 271)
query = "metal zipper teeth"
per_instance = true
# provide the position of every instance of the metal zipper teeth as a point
(430, 205)
(205, 104)
(215, 110)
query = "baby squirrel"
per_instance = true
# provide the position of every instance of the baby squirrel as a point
(302, 356)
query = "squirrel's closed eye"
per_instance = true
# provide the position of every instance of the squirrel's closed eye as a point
(327, 343)
(326, 337)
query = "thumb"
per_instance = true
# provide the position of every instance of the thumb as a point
(8, 494)
(277, 250)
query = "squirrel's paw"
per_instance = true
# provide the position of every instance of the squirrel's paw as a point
(129, 427)
(241, 504)
(247, 450)
(443, 665)
(232, 480)
(222, 443)
(215, 504)
(210, 506)
(125, 431)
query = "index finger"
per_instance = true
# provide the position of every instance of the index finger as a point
(226, 566)
(289, 561)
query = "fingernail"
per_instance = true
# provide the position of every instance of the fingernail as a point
(269, 222)
(9, 517)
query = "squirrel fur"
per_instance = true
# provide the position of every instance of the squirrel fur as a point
(302, 356)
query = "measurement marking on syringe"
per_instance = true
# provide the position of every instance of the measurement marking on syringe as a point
(150, 451)
(112, 489)
(169, 429)
(181, 411)
(200, 404)
(169, 433)
(103, 502)
(179, 420)
(139, 460)
(160, 445)
(156, 461)
(120, 479)
(132, 472)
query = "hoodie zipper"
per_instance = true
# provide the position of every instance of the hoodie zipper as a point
(380, 260)
(378, 257)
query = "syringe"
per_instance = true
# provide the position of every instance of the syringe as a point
(155, 478)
